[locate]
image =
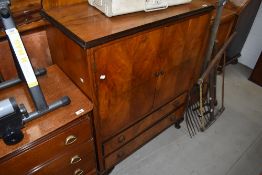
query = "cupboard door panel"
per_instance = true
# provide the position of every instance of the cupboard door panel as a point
(172, 63)
(125, 80)
(185, 41)
(197, 44)
(174, 45)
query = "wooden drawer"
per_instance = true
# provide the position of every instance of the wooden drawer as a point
(24, 162)
(130, 133)
(140, 140)
(79, 160)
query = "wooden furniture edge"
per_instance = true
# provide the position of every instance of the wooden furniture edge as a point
(108, 38)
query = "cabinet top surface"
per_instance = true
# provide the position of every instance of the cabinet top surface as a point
(54, 85)
(89, 27)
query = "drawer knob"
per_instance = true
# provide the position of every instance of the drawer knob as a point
(121, 139)
(79, 172)
(70, 139)
(75, 159)
(172, 118)
(120, 155)
(176, 104)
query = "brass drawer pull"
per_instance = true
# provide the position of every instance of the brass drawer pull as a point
(121, 139)
(75, 159)
(79, 172)
(70, 139)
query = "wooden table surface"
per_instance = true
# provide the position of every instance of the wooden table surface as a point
(54, 85)
(89, 27)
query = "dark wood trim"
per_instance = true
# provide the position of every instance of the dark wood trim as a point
(131, 31)
(67, 32)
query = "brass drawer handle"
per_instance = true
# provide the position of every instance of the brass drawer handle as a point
(75, 159)
(121, 139)
(79, 172)
(70, 139)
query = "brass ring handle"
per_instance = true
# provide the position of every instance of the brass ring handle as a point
(70, 139)
(79, 172)
(75, 159)
(121, 139)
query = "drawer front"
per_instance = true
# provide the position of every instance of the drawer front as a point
(68, 138)
(122, 138)
(140, 140)
(79, 160)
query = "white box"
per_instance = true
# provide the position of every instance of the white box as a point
(119, 7)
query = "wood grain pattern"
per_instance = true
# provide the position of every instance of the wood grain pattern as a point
(54, 81)
(49, 4)
(179, 63)
(62, 165)
(127, 92)
(37, 48)
(89, 27)
(140, 140)
(130, 133)
(41, 156)
(70, 58)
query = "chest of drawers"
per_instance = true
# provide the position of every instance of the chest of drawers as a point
(60, 142)
(137, 69)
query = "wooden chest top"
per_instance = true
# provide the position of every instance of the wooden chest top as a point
(89, 27)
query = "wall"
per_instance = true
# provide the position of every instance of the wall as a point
(253, 44)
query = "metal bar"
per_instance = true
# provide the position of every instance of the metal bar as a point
(21, 59)
(214, 30)
(9, 83)
(57, 104)
(216, 59)
(223, 83)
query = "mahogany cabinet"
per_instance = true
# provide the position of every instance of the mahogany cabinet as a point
(60, 142)
(137, 69)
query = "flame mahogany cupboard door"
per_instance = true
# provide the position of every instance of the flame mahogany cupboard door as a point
(181, 53)
(125, 80)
